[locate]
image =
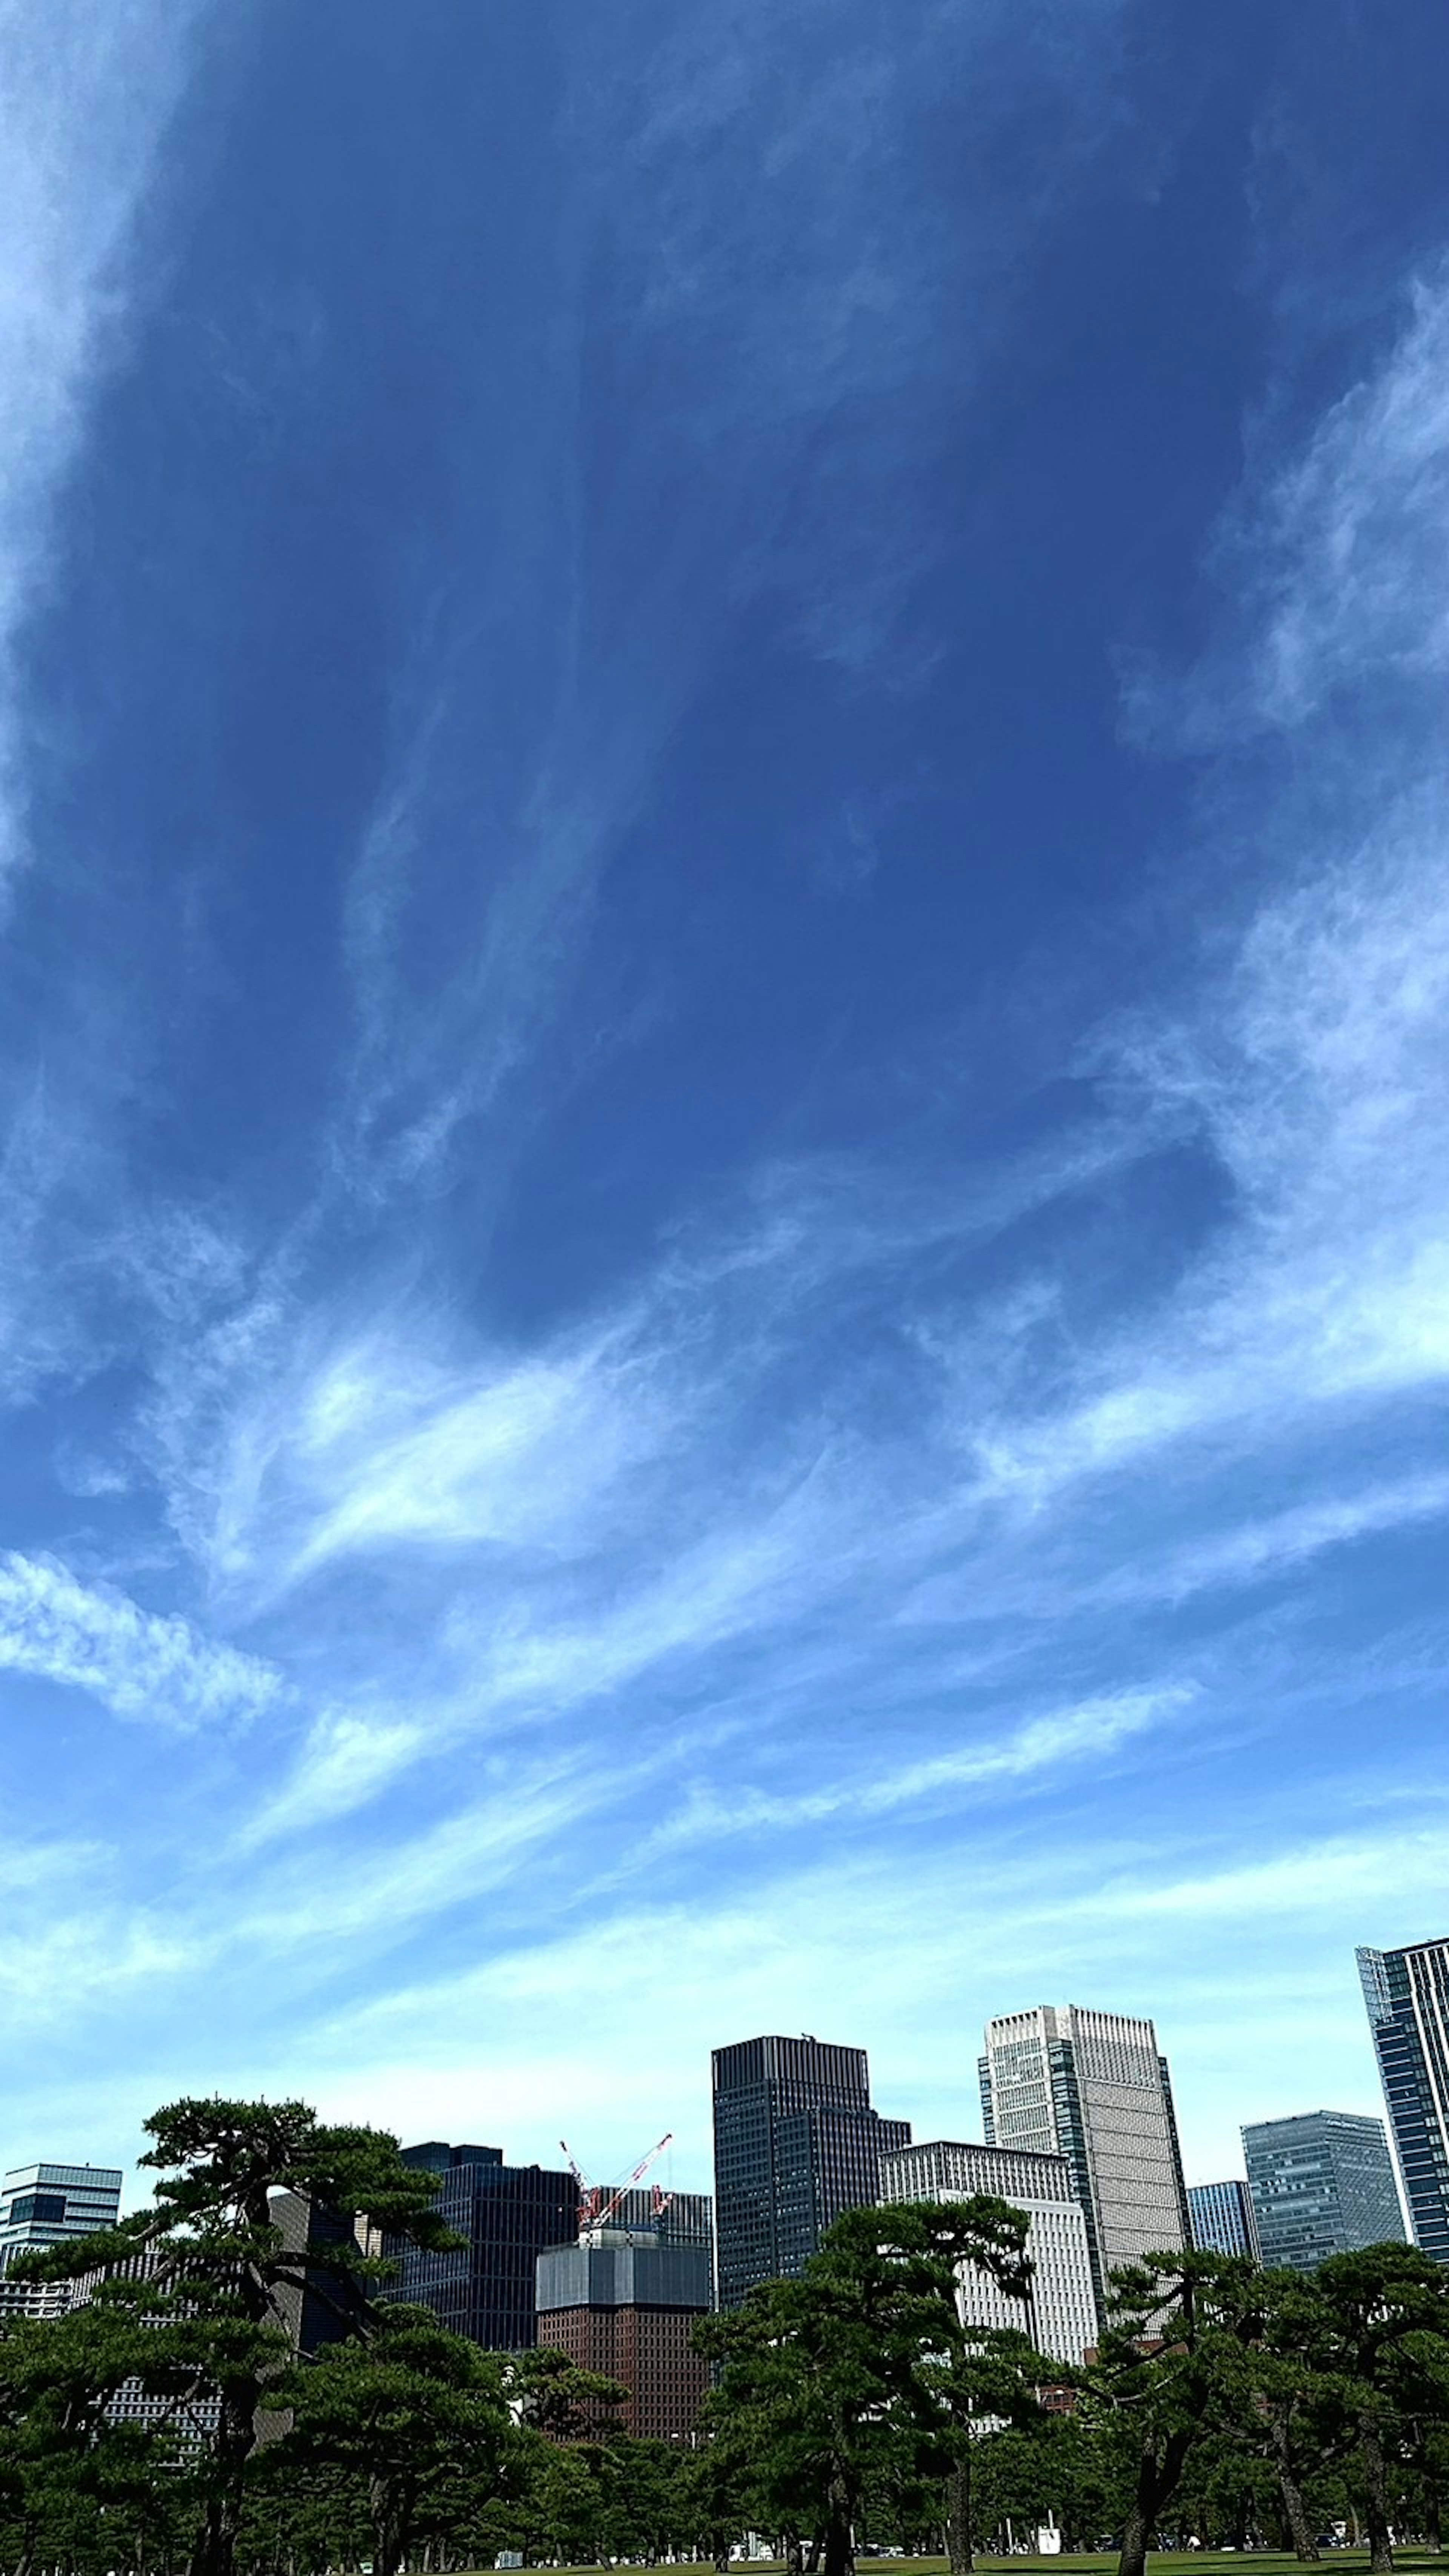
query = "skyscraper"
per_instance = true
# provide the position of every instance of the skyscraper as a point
(1222, 2218)
(44, 2204)
(1321, 2183)
(506, 2215)
(1093, 2087)
(796, 2143)
(1060, 2313)
(1407, 1994)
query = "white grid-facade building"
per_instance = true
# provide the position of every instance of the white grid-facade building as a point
(1060, 2314)
(1093, 2087)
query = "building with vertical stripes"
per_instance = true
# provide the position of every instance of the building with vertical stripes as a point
(1407, 1995)
(1059, 2313)
(1093, 2087)
(1222, 2218)
(796, 2143)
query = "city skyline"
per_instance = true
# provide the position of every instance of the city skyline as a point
(689, 2167)
(724, 1048)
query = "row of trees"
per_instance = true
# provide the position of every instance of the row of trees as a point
(850, 2405)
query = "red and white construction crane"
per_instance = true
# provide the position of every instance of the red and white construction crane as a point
(598, 2201)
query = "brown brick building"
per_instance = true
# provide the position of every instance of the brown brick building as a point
(624, 2303)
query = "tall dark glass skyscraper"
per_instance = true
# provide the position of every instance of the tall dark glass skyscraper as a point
(1407, 1994)
(506, 2215)
(1321, 2184)
(796, 2143)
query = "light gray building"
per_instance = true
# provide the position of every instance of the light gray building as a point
(46, 2204)
(1060, 2314)
(1093, 2087)
(1321, 2183)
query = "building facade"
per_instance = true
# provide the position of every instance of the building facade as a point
(1093, 2087)
(676, 2218)
(796, 2143)
(624, 2301)
(192, 2416)
(47, 2204)
(506, 2215)
(1060, 2313)
(1222, 2218)
(321, 2305)
(1407, 1995)
(1321, 2183)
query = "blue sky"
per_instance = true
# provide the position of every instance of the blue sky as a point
(724, 1104)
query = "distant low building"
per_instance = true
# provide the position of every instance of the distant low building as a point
(1060, 2314)
(1222, 2218)
(1321, 2183)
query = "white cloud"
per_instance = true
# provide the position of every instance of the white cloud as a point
(84, 100)
(1041, 1747)
(1282, 1541)
(138, 1663)
(349, 1755)
(1357, 533)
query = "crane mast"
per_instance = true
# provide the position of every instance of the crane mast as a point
(598, 2201)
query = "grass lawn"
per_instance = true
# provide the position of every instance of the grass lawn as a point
(1163, 2562)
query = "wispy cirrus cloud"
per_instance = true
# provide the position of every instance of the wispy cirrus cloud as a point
(86, 106)
(1040, 1747)
(803, 404)
(919, 1514)
(140, 1664)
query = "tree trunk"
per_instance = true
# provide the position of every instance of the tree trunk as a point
(1159, 2475)
(388, 2514)
(213, 2550)
(1136, 2536)
(1295, 2511)
(839, 2552)
(1433, 2529)
(1376, 2499)
(958, 2514)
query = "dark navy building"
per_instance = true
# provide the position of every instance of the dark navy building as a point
(507, 2215)
(796, 2143)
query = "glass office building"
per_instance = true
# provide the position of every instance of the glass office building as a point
(796, 2143)
(45, 2204)
(1407, 1995)
(506, 2216)
(1061, 2080)
(1222, 2218)
(1320, 2184)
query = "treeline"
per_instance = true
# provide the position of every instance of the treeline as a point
(168, 2426)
